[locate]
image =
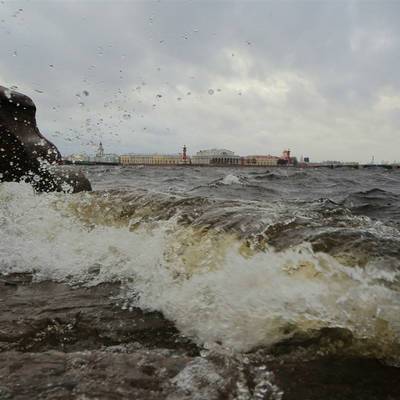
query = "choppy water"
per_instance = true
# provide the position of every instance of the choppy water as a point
(238, 258)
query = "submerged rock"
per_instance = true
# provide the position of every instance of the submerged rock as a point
(25, 154)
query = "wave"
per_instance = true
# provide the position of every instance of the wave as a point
(283, 174)
(376, 203)
(229, 179)
(374, 194)
(206, 278)
(270, 176)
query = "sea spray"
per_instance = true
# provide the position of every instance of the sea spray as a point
(213, 292)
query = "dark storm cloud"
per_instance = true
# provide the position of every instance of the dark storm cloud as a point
(319, 77)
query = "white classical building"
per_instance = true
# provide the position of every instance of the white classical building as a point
(215, 157)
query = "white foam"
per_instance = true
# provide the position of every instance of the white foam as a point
(207, 287)
(231, 179)
(36, 237)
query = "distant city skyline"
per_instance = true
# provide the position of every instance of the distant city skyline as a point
(92, 152)
(320, 78)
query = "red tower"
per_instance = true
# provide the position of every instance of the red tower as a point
(286, 155)
(184, 155)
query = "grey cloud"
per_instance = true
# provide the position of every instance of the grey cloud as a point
(305, 75)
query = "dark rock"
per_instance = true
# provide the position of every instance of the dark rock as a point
(25, 154)
(68, 179)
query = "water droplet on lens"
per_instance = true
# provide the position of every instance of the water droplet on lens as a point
(210, 92)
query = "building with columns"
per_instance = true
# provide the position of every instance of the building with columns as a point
(215, 157)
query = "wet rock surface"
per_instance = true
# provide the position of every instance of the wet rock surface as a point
(59, 342)
(22, 143)
(25, 154)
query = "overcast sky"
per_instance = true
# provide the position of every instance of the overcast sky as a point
(321, 78)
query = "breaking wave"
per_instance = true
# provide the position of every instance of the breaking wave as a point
(228, 273)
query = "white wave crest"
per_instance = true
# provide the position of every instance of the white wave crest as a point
(211, 291)
(231, 180)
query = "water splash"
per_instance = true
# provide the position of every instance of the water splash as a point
(201, 279)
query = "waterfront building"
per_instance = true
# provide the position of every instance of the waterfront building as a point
(155, 159)
(106, 158)
(340, 163)
(260, 160)
(332, 162)
(151, 159)
(102, 157)
(100, 151)
(215, 157)
(287, 159)
(304, 162)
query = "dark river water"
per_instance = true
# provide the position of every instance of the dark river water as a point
(239, 258)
